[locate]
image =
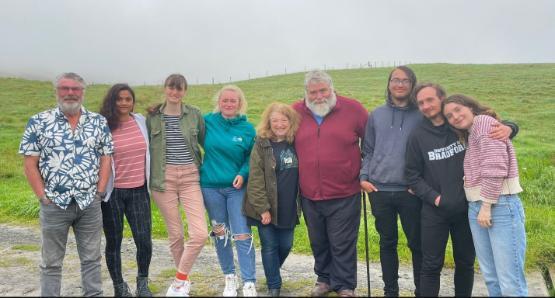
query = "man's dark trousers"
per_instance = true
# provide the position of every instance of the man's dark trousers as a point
(386, 205)
(333, 232)
(436, 228)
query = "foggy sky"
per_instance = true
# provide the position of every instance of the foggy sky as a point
(142, 41)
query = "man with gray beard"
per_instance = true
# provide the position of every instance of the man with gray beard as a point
(327, 145)
(67, 160)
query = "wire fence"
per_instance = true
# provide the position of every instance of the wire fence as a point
(219, 79)
(285, 70)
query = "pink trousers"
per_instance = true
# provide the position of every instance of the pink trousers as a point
(182, 186)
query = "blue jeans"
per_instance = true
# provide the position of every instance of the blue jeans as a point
(224, 209)
(501, 249)
(276, 245)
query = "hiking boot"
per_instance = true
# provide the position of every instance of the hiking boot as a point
(273, 292)
(249, 290)
(231, 286)
(320, 289)
(346, 293)
(142, 287)
(122, 290)
(179, 289)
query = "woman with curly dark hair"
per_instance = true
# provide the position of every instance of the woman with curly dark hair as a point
(127, 190)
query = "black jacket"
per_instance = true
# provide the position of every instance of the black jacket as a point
(434, 166)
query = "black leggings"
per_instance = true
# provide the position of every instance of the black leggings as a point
(135, 204)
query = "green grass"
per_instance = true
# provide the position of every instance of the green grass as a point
(26, 247)
(524, 93)
(15, 261)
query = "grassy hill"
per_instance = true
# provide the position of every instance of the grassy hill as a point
(524, 93)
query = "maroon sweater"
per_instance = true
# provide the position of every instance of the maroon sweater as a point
(329, 154)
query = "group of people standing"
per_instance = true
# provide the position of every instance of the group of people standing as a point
(416, 166)
(91, 170)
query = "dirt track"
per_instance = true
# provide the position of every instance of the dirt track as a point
(20, 256)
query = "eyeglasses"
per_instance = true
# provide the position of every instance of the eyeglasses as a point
(404, 82)
(67, 89)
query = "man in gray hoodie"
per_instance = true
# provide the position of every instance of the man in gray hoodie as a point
(382, 175)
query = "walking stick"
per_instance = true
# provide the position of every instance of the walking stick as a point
(364, 196)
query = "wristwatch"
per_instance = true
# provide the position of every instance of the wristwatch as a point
(101, 195)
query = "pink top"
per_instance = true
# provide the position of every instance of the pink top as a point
(490, 166)
(129, 155)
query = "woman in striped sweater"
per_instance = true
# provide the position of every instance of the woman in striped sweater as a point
(491, 183)
(127, 191)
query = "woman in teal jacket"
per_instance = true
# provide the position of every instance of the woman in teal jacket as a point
(224, 172)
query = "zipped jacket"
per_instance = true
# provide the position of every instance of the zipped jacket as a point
(227, 148)
(329, 153)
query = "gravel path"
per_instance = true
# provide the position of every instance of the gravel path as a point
(20, 251)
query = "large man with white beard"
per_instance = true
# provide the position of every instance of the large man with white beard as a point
(327, 145)
(67, 159)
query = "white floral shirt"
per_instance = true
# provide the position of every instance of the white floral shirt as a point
(69, 161)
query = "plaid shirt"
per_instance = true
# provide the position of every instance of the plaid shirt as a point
(69, 161)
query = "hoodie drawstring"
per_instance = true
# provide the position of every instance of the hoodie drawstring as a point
(402, 118)
(393, 118)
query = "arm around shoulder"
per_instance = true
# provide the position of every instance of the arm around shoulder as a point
(514, 128)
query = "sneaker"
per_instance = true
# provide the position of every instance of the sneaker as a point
(179, 289)
(249, 290)
(230, 289)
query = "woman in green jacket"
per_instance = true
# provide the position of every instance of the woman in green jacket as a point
(176, 130)
(271, 201)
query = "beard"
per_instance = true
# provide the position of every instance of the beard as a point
(323, 108)
(70, 108)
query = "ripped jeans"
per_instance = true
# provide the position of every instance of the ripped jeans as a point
(224, 207)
